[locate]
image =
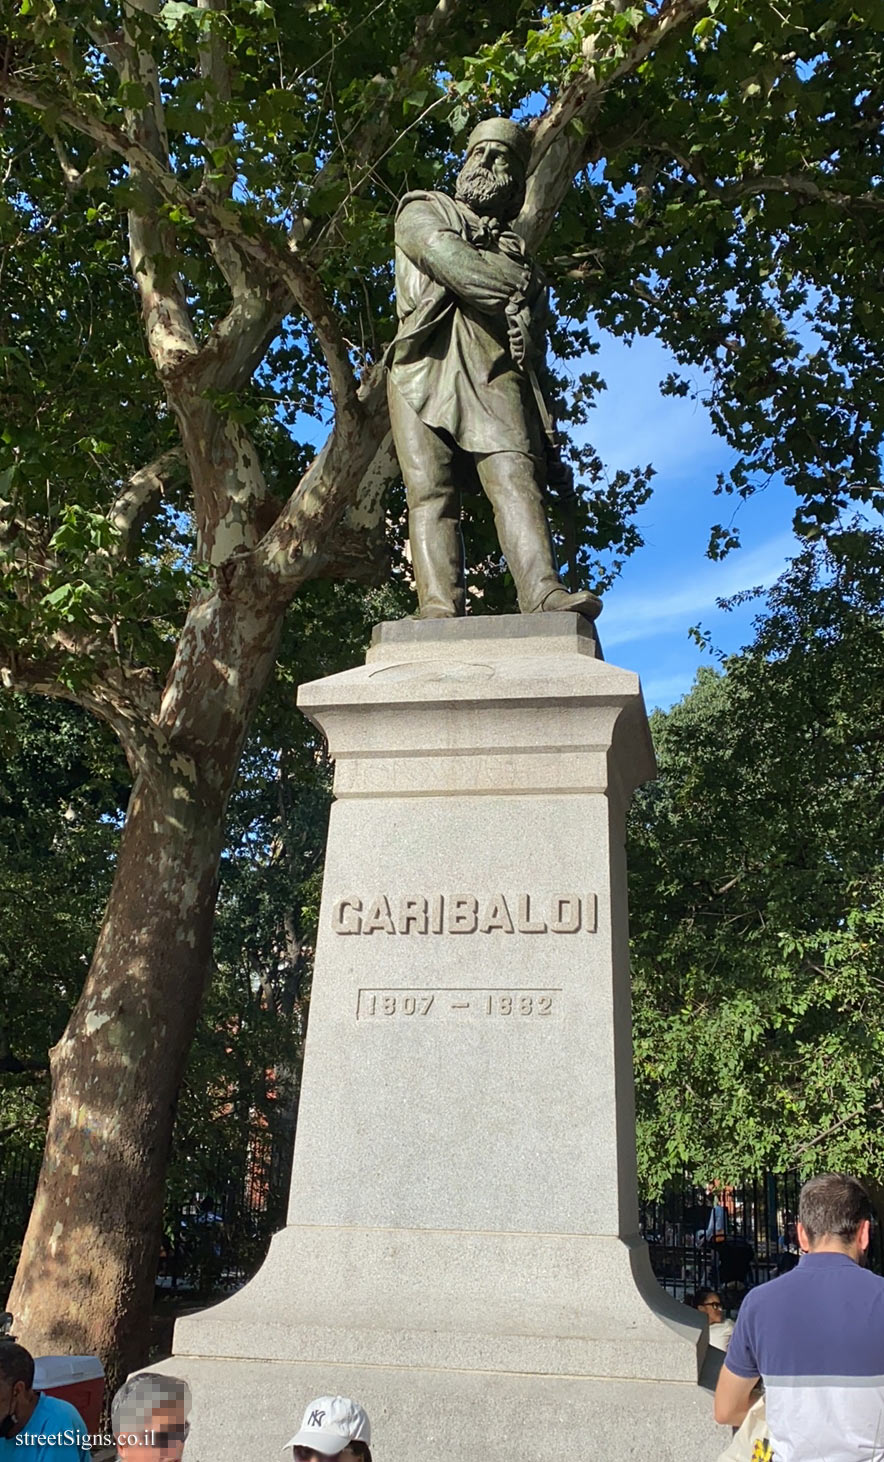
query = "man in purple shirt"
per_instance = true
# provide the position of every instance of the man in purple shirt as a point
(815, 1336)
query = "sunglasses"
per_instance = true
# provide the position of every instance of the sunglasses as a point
(172, 1434)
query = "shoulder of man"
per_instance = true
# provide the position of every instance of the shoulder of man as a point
(756, 1325)
(764, 1300)
(58, 1416)
(57, 1408)
(866, 1285)
(438, 203)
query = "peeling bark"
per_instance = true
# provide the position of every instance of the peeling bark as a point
(85, 1278)
(86, 1274)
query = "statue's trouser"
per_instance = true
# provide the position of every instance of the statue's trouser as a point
(513, 484)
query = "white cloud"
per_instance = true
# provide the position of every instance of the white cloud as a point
(631, 616)
(633, 424)
(665, 691)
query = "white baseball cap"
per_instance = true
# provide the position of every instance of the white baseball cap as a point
(330, 1423)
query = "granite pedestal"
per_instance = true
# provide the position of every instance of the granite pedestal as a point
(461, 1252)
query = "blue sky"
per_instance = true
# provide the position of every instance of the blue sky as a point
(669, 584)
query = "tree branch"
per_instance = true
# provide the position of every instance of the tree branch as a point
(127, 699)
(355, 459)
(218, 177)
(213, 220)
(803, 186)
(152, 242)
(141, 493)
(370, 140)
(559, 147)
(852, 1117)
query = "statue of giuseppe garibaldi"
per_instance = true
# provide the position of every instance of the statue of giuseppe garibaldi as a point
(466, 378)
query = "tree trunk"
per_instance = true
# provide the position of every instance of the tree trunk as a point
(85, 1277)
(94, 1231)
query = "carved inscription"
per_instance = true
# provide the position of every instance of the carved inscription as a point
(454, 1004)
(464, 913)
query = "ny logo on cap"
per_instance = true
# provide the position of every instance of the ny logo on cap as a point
(316, 1418)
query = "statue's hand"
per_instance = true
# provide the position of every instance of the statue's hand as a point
(518, 327)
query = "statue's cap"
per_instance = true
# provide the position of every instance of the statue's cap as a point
(501, 129)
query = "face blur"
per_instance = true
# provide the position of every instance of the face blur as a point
(306, 1454)
(488, 182)
(161, 1440)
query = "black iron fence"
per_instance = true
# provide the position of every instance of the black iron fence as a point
(731, 1239)
(215, 1238)
(19, 1170)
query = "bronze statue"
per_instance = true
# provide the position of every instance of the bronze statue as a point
(466, 378)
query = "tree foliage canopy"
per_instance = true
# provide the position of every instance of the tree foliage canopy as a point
(195, 244)
(757, 893)
(727, 159)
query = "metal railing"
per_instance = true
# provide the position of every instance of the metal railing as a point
(19, 1171)
(216, 1238)
(730, 1240)
(213, 1240)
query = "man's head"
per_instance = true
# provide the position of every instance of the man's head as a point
(16, 1387)
(834, 1214)
(333, 1427)
(150, 1418)
(492, 179)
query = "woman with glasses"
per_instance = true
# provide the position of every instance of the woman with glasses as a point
(333, 1426)
(708, 1302)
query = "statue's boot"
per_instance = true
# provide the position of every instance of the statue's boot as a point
(511, 483)
(438, 560)
(583, 602)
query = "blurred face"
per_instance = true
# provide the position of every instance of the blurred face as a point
(712, 1308)
(306, 1454)
(162, 1439)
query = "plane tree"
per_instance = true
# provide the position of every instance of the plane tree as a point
(196, 294)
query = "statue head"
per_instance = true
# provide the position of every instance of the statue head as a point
(492, 179)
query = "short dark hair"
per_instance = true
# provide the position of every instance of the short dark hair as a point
(833, 1203)
(703, 1295)
(361, 1449)
(16, 1364)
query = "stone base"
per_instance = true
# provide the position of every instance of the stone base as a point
(245, 1411)
(461, 1253)
(559, 1305)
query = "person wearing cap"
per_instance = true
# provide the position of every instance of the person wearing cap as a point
(333, 1426)
(467, 374)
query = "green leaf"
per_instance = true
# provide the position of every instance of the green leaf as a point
(174, 12)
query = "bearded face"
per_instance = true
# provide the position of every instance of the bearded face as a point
(490, 184)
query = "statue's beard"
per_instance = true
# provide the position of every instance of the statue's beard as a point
(480, 190)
